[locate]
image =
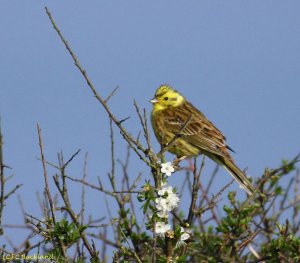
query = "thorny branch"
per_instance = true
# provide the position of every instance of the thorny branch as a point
(134, 144)
(47, 190)
(4, 196)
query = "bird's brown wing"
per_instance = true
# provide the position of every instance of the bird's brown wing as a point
(195, 129)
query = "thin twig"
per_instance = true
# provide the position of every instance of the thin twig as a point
(111, 94)
(143, 120)
(47, 190)
(83, 188)
(195, 189)
(134, 253)
(71, 158)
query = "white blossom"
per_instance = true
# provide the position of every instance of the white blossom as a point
(167, 168)
(184, 234)
(167, 203)
(165, 189)
(163, 214)
(167, 200)
(161, 204)
(172, 201)
(160, 228)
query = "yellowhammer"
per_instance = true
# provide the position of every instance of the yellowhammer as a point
(174, 117)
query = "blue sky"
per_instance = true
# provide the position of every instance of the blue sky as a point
(237, 61)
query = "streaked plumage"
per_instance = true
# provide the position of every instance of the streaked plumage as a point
(172, 114)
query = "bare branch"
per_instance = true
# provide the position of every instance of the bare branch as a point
(47, 190)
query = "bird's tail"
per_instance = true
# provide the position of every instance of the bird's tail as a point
(235, 172)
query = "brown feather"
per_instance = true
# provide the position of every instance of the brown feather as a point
(199, 131)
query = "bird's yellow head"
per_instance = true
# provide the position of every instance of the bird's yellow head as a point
(166, 97)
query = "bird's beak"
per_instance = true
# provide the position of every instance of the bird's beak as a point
(154, 100)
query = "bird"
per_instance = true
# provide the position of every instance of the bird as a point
(186, 132)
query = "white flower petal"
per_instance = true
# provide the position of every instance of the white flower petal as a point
(163, 214)
(184, 236)
(167, 168)
(161, 203)
(165, 190)
(160, 228)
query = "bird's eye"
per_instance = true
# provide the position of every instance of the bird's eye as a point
(166, 98)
